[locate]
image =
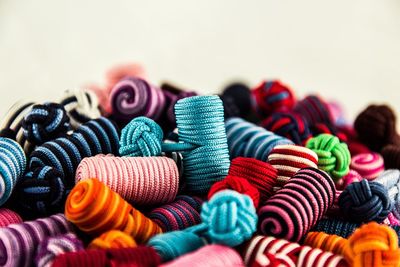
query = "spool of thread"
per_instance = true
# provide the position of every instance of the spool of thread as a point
(369, 165)
(237, 100)
(365, 201)
(245, 139)
(349, 178)
(289, 125)
(238, 184)
(99, 136)
(208, 256)
(8, 216)
(330, 243)
(314, 110)
(53, 246)
(270, 251)
(288, 159)
(45, 122)
(376, 127)
(138, 257)
(374, 245)
(11, 124)
(81, 106)
(180, 214)
(297, 207)
(18, 242)
(206, 160)
(138, 180)
(133, 97)
(95, 209)
(113, 239)
(391, 156)
(333, 156)
(390, 179)
(12, 167)
(258, 173)
(272, 96)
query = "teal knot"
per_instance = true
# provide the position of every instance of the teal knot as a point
(142, 137)
(231, 218)
(171, 245)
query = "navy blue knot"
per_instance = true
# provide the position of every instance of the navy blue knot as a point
(45, 122)
(365, 201)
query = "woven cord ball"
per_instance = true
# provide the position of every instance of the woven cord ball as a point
(376, 127)
(297, 207)
(113, 239)
(237, 100)
(390, 179)
(81, 106)
(374, 245)
(138, 180)
(237, 184)
(95, 209)
(288, 159)
(365, 201)
(391, 156)
(272, 96)
(53, 246)
(208, 256)
(326, 242)
(8, 216)
(12, 167)
(45, 122)
(180, 214)
(289, 125)
(368, 165)
(314, 110)
(18, 242)
(349, 178)
(333, 156)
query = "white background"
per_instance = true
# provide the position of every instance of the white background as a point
(344, 50)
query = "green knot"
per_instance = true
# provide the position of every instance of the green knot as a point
(333, 156)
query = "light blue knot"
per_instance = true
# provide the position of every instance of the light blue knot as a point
(174, 244)
(231, 218)
(142, 137)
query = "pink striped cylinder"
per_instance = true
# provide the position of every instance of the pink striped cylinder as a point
(8, 217)
(139, 180)
(368, 165)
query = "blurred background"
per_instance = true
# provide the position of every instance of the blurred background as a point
(343, 50)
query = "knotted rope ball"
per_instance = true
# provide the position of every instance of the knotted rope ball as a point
(230, 217)
(45, 122)
(390, 179)
(53, 246)
(376, 127)
(289, 125)
(326, 242)
(314, 110)
(374, 245)
(141, 137)
(237, 100)
(365, 201)
(271, 96)
(42, 191)
(81, 106)
(113, 239)
(391, 156)
(349, 178)
(368, 165)
(298, 206)
(333, 156)
(12, 167)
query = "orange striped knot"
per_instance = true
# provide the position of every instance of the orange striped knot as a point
(113, 239)
(95, 209)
